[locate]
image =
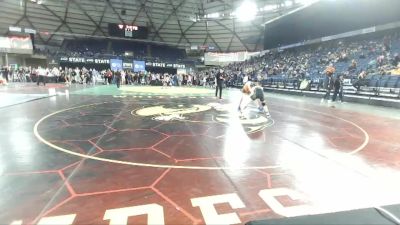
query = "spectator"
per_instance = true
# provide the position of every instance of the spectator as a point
(118, 76)
(329, 71)
(42, 74)
(361, 80)
(338, 89)
(219, 80)
(353, 67)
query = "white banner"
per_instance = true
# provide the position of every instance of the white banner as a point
(220, 59)
(19, 45)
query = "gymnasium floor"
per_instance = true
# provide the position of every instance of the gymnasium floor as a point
(146, 155)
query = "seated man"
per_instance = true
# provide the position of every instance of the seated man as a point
(361, 80)
(353, 67)
(253, 92)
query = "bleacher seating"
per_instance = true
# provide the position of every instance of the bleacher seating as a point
(288, 68)
(118, 48)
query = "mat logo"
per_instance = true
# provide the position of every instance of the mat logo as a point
(213, 112)
(155, 212)
(170, 113)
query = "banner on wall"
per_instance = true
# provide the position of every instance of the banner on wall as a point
(219, 59)
(127, 65)
(118, 64)
(115, 64)
(18, 45)
(138, 66)
(84, 60)
(165, 65)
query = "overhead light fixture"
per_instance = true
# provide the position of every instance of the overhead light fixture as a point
(39, 2)
(306, 2)
(269, 7)
(247, 11)
(212, 15)
(288, 3)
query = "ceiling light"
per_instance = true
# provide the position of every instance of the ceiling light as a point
(247, 11)
(212, 15)
(269, 7)
(306, 2)
(288, 3)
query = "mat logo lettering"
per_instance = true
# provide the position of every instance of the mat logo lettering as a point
(155, 212)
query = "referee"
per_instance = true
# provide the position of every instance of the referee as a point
(219, 77)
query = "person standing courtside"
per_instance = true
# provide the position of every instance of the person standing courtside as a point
(42, 74)
(338, 89)
(219, 77)
(330, 70)
(118, 76)
(5, 73)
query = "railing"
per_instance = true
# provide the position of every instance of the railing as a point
(374, 85)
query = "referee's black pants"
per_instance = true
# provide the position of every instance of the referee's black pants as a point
(218, 86)
(42, 79)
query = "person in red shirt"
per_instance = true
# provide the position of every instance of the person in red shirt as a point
(108, 77)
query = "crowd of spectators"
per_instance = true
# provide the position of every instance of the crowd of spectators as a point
(96, 48)
(92, 76)
(351, 58)
(120, 48)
